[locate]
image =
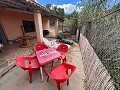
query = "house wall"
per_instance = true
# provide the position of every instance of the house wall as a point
(45, 22)
(52, 32)
(46, 26)
(12, 21)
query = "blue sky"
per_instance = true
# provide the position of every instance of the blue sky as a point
(69, 5)
(57, 2)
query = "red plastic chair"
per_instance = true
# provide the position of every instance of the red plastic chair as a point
(63, 49)
(30, 67)
(40, 46)
(61, 73)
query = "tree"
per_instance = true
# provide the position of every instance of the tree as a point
(93, 9)
(55, 10)
(61, 12)
(72, 22)
(48, 6)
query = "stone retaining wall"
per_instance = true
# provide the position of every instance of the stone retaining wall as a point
(97, 77)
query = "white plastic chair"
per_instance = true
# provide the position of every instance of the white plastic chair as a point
(52, 43)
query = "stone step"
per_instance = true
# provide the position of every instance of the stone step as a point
(4, 70)
(3, 64)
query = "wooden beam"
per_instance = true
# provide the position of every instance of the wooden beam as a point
(10, 4)
(15, 3)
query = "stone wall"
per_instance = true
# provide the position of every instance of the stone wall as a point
(97, 77)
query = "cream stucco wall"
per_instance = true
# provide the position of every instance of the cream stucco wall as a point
(45, 22)
(46, 26)
(12, 22)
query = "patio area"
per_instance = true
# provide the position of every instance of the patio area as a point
(7, 58)
(17, 79)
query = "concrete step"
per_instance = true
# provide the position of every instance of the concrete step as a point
(3, 64)
(5, 69)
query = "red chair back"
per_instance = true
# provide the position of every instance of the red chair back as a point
(62, 72)
(63, 48)
(40, 46)
(32, 62)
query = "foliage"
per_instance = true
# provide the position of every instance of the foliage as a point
(93, 9)
(117, 81)
(55, 10)
(48, 6)
(72, 22)
(104, 36)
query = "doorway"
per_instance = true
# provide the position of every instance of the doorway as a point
(2, 35)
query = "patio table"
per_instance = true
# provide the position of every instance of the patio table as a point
(45, 56)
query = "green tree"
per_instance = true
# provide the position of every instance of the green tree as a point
(61, 12)
(93, 9)
(48, 6)
(55, 10)
(72, 22)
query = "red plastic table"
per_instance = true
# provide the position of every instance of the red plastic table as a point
(45, 56)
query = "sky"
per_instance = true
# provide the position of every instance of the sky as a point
(69, 5)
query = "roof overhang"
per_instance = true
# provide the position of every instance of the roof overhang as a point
(28, 7)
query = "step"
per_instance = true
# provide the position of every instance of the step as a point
(3, 64)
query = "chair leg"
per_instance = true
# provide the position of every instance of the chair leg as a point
(30, 73)
(67, 79)
(47, 78)
(52, 63)
(68, 82)
(58, 86)
(65, 59)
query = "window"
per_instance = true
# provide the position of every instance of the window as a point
(52, 23)
(28, 26)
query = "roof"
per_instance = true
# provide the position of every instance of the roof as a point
(37, 6)
(28, 6)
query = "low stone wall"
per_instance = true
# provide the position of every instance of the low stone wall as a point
(97, 77)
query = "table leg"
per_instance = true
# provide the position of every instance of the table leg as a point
(41, 72)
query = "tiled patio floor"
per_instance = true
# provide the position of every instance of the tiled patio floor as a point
(17, 79)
